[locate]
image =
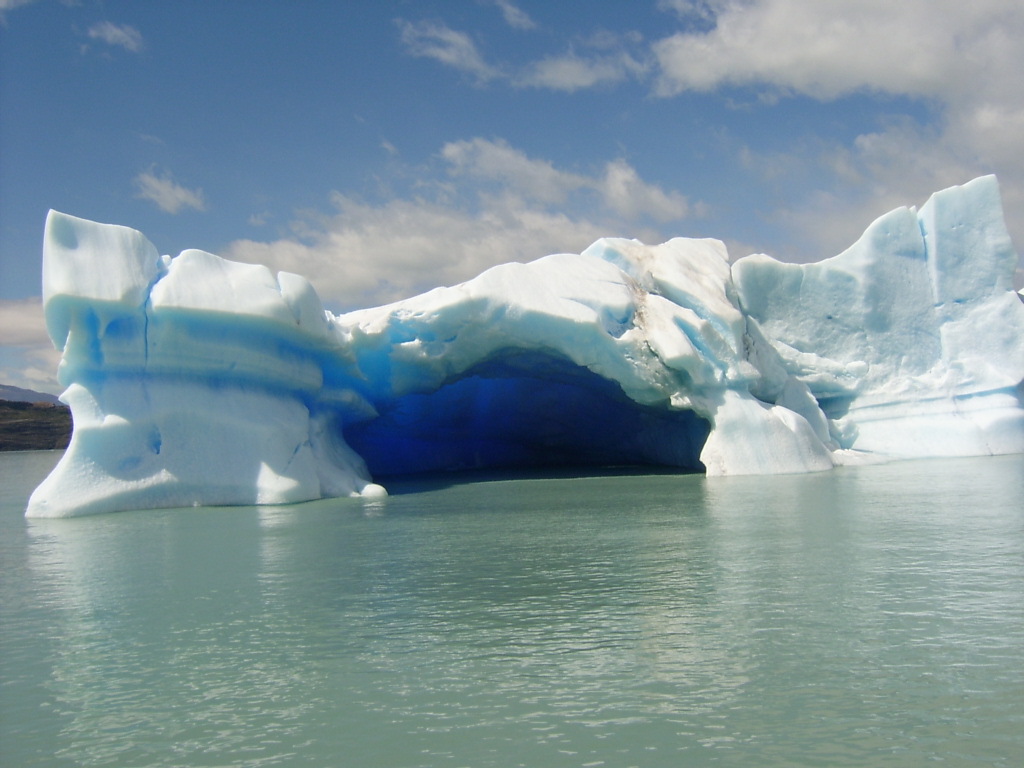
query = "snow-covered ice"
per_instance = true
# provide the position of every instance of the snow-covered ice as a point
(196, 380)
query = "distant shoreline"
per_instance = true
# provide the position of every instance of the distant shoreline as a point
(33, 426)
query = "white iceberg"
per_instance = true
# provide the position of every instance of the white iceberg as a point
(196, 380)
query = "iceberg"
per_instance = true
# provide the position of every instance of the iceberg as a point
(194, 380)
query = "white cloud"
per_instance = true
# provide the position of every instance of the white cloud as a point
(607, 59)
(22, 322)
(31, 368)
(434, 40)
(620, 188)
(119, 35)
(367, 255)
(492, 204)
(168, 195)
(962, 60)
(965, 58)
(27, 356)
(825, 50)
(571, 72)
(512, 168)
(631, 197)
(514, 16)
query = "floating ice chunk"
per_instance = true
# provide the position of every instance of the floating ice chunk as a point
(196, 380)
(753, 438)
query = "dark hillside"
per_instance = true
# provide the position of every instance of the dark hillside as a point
(33, 426)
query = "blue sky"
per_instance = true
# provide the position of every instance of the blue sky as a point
(382, 148)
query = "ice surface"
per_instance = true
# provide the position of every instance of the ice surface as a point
(196, 380)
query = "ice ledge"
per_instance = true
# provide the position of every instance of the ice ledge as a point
(195, 380)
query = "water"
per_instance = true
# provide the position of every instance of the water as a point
(870, 616)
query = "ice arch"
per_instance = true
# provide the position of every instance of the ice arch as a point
(526, 410)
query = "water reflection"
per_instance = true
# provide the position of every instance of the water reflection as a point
(860, 617)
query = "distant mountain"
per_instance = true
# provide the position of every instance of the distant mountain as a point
(19, 395)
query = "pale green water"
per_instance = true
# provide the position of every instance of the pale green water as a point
(869, 617)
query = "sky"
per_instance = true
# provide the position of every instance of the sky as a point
(381, 148)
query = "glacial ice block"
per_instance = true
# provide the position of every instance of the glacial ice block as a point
(191, 380)
(196, 380)
(911, 340)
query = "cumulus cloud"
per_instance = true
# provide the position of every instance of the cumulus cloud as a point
(631, 197)
(825, 50)
(958, 63)
(961, 60)
(965, 58)
(168, 195)
(118, 35)
(27, 356)
(497, 161)
(491, 203)
(620, 187)
(368, 255)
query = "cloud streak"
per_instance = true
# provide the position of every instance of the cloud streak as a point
(572, 72)
(514, 16)
(606, 59)
(437, 41)
(118, 35)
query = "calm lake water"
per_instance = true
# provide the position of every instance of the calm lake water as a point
(864, 617)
